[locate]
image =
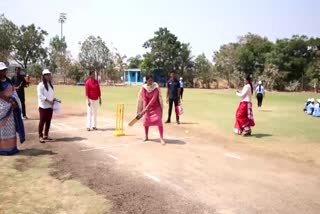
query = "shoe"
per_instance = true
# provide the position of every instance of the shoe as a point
(168, 121)
(25, 117)
(47, 138)
(41, 140)
(88, 129)
(146, 139)
(246, 133)
(178, 122)
(94, 128)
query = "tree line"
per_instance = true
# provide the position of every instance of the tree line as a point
(289, 64)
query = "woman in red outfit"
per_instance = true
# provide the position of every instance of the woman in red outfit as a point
(93, 94)
(244, 115)
(150, 103)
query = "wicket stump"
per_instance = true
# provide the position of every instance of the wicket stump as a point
(119, 121)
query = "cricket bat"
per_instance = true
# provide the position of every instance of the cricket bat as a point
(136, 119)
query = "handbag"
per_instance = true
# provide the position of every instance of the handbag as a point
(179, 110)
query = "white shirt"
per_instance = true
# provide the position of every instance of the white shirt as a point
(43, 94)
(260, 89)
(245, 94)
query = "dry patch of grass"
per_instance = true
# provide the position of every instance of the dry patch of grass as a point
(27, 187)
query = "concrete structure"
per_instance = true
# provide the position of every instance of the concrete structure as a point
(133, 77)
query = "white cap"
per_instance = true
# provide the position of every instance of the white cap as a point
(260, 82)
(308, 100)
(46, 71)
(312, 100)
(181, 78)
(3, 66)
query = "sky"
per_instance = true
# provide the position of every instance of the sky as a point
(205, 24)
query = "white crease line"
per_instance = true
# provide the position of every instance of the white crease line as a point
(154, 178)
(232, 155)
(63, 125)
(53, 125)
(113, 157)
(92, 149)
(110, 147)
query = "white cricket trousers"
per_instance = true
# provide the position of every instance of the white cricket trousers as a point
(92, 113)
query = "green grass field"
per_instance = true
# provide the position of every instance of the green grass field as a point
(281, 117)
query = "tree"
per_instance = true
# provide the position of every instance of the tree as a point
(251, 53)
(186, 63)
(36, 71)
(135, 62)
(225, 63)
(291, 56)
(204, 69)
(29, 47)
(8, 35)
(76, 72)
(94, 54)
(59, 59)
(313, 69)
(273, 78)
(164, 52)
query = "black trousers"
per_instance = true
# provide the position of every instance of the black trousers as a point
(23, 104)
(260, 99)
(181, 93)
(45, 119)
(176, 103)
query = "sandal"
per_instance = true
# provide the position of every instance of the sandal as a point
(41, 140)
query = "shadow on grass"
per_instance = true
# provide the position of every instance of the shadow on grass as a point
(265, 110)
(69, 139)
(105, 130)
(168, 141)
(189, 123)
(35, 152)
(261, 135)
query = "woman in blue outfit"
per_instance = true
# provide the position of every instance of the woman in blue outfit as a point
(10, 115)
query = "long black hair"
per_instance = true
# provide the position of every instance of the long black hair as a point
(47, 83)
(248, 78)
(149, 77)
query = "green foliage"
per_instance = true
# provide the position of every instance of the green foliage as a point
(94, 54)
(8, 34)
(29, 47)
(135, 62)
(76, 72)
(165, 52)
(35, 71)
(251, 53)
(286, 64)
(204, 69)
(57, 53)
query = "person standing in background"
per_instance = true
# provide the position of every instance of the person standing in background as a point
(260, 93)
(27, 78)
(93, 94)
(19, 84)
(181, 88)
(46, 100)
(173, 96)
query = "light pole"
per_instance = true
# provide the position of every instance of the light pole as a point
(62, 20)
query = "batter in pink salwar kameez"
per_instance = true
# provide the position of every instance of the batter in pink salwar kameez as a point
(150, 103)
